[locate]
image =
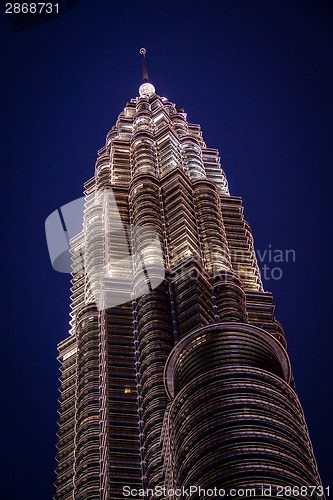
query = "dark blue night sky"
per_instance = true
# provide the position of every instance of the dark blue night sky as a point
(257, 76)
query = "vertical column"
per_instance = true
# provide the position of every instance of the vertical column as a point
(211, 226)
(192, 158)
(124, 445)
(228, 288)
(153, 323)
(143, 154)
(66, 433)
(87, 460)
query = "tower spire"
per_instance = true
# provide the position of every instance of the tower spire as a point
(146, 89)
(145, 78)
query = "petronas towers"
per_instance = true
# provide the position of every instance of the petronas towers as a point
(175, 380)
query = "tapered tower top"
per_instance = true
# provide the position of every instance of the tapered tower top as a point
(146, 89)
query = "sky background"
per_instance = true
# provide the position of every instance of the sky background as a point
(257, 77)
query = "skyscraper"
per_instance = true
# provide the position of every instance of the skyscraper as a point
(179, 381)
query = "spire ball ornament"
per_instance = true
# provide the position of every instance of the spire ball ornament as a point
(146, 89)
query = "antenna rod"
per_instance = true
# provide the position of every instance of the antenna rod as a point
(145, 78)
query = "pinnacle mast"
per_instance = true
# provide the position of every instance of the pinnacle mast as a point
(145, 77)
